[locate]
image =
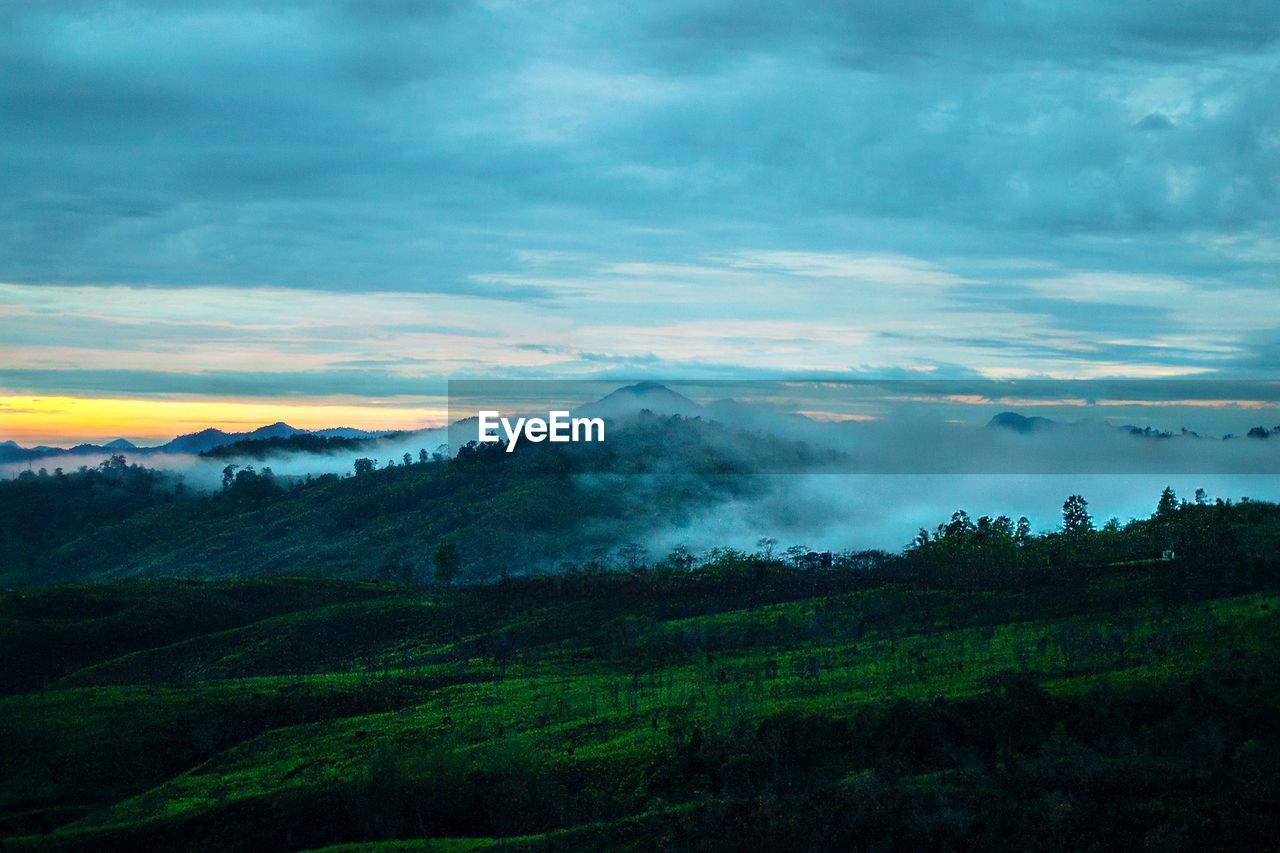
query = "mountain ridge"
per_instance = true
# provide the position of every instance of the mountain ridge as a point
(625, 401)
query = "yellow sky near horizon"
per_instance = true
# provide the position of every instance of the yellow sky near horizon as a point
(65, 420)
(73, 420)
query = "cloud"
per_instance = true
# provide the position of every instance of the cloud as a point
(220, 383)
(445, 187)
(327, 146)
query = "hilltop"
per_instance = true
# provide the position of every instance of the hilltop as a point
(518, 512)
(196, 443)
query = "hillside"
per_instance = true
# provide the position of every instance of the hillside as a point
(504, 512)
(263, 439)
(900, 705)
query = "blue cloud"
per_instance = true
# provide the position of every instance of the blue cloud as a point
(435, 147)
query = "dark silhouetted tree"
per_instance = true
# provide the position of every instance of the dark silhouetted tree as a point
(1075, 516)
(959, 526)
(680, 558)
(448, 563)
(633, 556)
(1022, 534)
(796, 554)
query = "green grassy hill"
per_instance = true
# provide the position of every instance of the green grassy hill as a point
(742, 704)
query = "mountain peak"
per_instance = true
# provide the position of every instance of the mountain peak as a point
(631, 399)
(279, 429)
(1019, 423)
(120, 444)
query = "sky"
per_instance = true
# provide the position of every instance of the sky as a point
(227, 214)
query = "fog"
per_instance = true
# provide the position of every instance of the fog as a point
(888, 478)
(856, 485)
(205, 473)
(839, 511)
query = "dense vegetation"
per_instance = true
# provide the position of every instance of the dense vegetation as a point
(503, 512)
(301, 442)
(39, 513)
(988, 688)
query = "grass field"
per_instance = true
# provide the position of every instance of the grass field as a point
(643, 710)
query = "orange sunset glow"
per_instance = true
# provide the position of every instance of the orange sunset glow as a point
(72, 420)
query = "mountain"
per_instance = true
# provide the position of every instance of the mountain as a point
(632, 399)
(279, 429)
(1020, 423)
(11, 451)
(1023, 424)
(347, 432)
(211, 439)
(193, 443)
(197, 442)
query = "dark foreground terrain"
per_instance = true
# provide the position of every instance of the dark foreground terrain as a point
(975, 692)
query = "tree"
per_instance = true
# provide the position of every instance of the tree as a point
(408, 459)
(1075, 516)
(423, 456)
(796, 554)
(1202, 497)
(680, 558)
(766, 544)
(448, 563)
(229, 476)
(959, 526)
(1022, 534)
(1168, 505)
(996, 530)
(633, 556)
(364, 465)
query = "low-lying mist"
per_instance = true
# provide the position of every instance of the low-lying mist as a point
(731, 474)
(875, 484)
(205, 473)
(885, 511)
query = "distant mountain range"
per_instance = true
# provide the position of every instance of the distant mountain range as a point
(193, 443)
(623, 402)
(1024, 424)
(660, 400)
